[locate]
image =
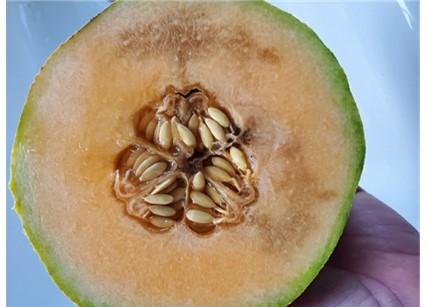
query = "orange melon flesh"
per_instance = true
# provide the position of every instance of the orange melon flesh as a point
(271, 72)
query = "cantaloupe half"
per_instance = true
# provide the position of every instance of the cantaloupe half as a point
(270, 73)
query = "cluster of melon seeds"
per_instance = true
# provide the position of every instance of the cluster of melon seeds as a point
(191, 165)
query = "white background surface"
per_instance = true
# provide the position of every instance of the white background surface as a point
(377, 43)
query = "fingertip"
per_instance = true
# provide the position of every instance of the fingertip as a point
(359, 189)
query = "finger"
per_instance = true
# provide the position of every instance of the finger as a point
(359, 189)
(337, 287)
(369, 215)
(380, 244)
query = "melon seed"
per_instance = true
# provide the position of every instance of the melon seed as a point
(165, 136)
(178, 194)
(216, 129)
(223, 164)
(154, 171)
(174, 131)
(219, 117)
(217, 174)
(201, 199)
(150, 129)
(163, 185)
(199, 217)
(215, 195)
(159, 199)
(238, 158)
(220, 210)
(156, 133)
(193, 123)
(198, 182)
(162, 210)
(206, 136)
(140, 159)
(186, 135)
(146, 163)
(170, 188)
(161, 222)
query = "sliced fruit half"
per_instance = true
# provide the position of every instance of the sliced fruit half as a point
(187, 154)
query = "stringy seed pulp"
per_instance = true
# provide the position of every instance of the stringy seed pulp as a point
(190, 165)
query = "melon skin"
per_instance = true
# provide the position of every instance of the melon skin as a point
(354, 126)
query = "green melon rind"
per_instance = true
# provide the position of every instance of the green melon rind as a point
(354, 129)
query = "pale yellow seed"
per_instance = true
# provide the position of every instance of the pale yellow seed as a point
(216, 129)
(140, 159)
(235, 183)
(171, 187)
(222, 211)
(153, 171)
(217, 174)
(193, 123)
(186, 135)
(223, 164)
(150, 129)
(206, 136)
(198, 182)
(199, 217)
(156, 133)
(175, 135)
(163, 185)
(159, 199)
(161, 222)
(178, 194)
(162, 210)
(201, 199)
(218, 221)
(165, 135)
(238, 158)
(215, 195)
(219, 117)
(146, 164)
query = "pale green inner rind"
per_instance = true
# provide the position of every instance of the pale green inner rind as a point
(354, 130)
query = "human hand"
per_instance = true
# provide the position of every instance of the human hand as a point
(376, 262)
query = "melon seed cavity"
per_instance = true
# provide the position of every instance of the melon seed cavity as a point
(190, 165)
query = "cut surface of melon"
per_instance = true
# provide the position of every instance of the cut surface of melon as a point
(270, 72)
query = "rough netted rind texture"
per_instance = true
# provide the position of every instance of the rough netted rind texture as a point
(354, 130)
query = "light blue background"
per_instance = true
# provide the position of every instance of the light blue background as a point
(377, 44)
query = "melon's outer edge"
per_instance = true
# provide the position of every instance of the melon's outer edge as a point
(355, 129)
(42, 250)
